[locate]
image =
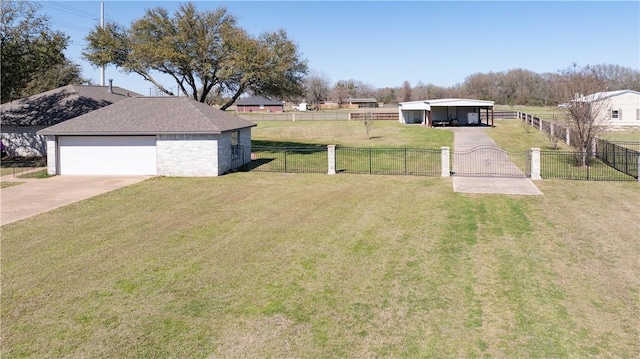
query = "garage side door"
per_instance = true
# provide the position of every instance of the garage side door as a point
(107, 155)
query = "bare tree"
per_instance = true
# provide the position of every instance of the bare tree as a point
(553, 138)
(386, 95)
(588, 110)
(367, 121)
(316, 88)
(344, 89)
(406, 92)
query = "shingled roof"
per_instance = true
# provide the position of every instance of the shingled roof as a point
(60, 104)
(257, 101)
(151, 116)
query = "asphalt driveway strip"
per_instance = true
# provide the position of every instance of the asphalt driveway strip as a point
(37, 196)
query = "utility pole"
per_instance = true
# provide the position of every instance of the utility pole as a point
(102, 26)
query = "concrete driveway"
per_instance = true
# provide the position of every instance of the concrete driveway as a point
(465, 139)
(37, 196)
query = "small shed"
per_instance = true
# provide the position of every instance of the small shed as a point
(455, 112)
(166, 136)
(259, 104)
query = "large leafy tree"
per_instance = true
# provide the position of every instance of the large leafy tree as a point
(32, 54)
(203, 51)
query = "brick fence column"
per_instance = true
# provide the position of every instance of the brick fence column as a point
(535, 164)
(331, 159)
(445, 155)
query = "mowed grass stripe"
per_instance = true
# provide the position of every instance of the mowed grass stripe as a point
(281, 265)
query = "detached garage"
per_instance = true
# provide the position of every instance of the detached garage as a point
(167, 136)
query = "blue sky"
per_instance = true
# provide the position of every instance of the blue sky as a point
(384, 43)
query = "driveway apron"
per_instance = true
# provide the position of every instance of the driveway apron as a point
(37, 196)
(468, 138)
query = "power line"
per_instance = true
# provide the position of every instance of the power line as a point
(69, 10)
(70, 26)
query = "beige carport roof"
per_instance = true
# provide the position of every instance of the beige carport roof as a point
(458, 102)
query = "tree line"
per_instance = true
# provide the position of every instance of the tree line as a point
(512, 87)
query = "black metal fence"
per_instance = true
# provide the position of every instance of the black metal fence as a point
(632, 145)
(311, 159)
(618, 156)
(609, 164)
(389, 161)
(567, 165)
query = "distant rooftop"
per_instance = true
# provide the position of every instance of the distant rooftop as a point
(60, 104)
(151, 116)
(258, 101)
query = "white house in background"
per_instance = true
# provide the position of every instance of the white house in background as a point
(22, 118)
(165, 136)
(623, 106)
(447, 111)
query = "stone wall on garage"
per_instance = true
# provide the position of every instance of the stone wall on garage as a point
(187, 155)
(224, 152)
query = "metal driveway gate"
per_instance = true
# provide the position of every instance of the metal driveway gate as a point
(488, 161)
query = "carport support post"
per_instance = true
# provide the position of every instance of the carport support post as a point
(331, 159)
(445, 172)
(535, 164)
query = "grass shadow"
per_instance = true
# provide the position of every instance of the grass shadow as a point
(254, 164)
(23, 162)
(288, 144)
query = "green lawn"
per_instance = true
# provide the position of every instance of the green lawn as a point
(6, 171)
(629, 135)
(313, 266)
(513, 135)
(349, 133)
(281, 265)
(9, 184)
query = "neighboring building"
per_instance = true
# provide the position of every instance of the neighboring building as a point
(448, 111)
(259, 104)
(328, 105)
(363, 103)
(622, 107)
(166, 136)
(21, 119)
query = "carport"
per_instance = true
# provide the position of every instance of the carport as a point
(453, 112)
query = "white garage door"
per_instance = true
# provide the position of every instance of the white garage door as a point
(107, 155)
